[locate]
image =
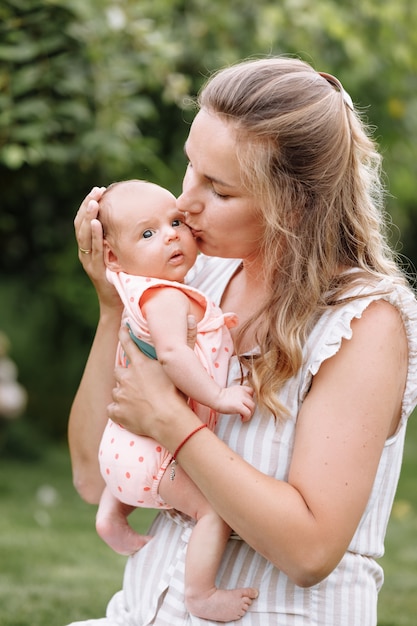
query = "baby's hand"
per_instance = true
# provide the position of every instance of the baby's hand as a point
(237, 399)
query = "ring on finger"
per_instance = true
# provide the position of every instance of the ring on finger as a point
(84, 251)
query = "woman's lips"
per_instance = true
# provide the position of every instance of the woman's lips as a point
(195, 233)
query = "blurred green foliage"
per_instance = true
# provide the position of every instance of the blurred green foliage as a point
(95, 91)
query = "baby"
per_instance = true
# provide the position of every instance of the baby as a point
(148, 250)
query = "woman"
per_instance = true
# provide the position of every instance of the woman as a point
(282, 192)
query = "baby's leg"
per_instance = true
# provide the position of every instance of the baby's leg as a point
(112, 525)
(204, 553)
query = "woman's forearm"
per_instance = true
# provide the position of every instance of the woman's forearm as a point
(305, 525)
(88, 414)
(258, 508)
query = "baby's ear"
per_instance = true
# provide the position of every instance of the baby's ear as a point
(110, 258)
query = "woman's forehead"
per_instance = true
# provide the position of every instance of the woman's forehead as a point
(211, 147)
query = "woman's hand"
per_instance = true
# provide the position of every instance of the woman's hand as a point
(89, 235)
(145, 401)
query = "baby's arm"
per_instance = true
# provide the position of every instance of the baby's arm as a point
(166, 310)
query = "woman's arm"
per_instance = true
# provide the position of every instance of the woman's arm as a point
(305, 525)
(88, 414)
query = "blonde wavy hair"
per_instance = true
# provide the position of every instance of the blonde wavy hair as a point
(310, 161)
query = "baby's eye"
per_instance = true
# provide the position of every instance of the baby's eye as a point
(176, 223)
(147, 233)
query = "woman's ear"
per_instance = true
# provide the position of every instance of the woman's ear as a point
(110, 258)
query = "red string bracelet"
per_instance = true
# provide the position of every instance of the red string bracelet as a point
(174, 456)
(192, 433)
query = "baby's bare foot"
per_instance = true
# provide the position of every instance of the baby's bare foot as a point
(120, 536)
(221, 605)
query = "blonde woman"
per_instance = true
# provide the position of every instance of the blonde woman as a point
(283, 195)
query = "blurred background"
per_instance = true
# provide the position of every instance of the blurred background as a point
(92, 91)
(98, 90)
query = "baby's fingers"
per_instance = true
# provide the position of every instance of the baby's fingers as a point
(248, 390)
(249, 404)
(247, 412)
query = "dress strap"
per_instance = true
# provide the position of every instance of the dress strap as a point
(144, 347)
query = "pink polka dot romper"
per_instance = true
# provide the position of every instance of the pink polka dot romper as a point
(132, 466)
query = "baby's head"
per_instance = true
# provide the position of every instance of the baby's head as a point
(121, 200)
(144, 233)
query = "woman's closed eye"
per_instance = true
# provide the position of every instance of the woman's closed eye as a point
(218, 194)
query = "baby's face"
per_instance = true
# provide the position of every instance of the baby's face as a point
(150, 237)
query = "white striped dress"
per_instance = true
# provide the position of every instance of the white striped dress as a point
(154, 578)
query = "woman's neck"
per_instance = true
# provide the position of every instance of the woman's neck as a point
(244, 295)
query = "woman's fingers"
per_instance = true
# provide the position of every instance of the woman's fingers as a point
(88, 206)
(89, 236)
(129, 395)
(191, 331)
(96, 231)
(129, 347)
(87, 212)
(142, 392)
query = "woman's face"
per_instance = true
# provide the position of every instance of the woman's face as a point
(219, 210)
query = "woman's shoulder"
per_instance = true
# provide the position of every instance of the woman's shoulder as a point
(335, 325)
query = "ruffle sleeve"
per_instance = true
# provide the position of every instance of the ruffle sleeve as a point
(335, 325)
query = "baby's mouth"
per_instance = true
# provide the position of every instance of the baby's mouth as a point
(177, 256)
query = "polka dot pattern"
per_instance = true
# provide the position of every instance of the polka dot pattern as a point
(132, 466)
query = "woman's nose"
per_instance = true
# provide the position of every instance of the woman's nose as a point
(189, 201)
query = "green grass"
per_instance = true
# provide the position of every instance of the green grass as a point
(398, 597)
(54, 569)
